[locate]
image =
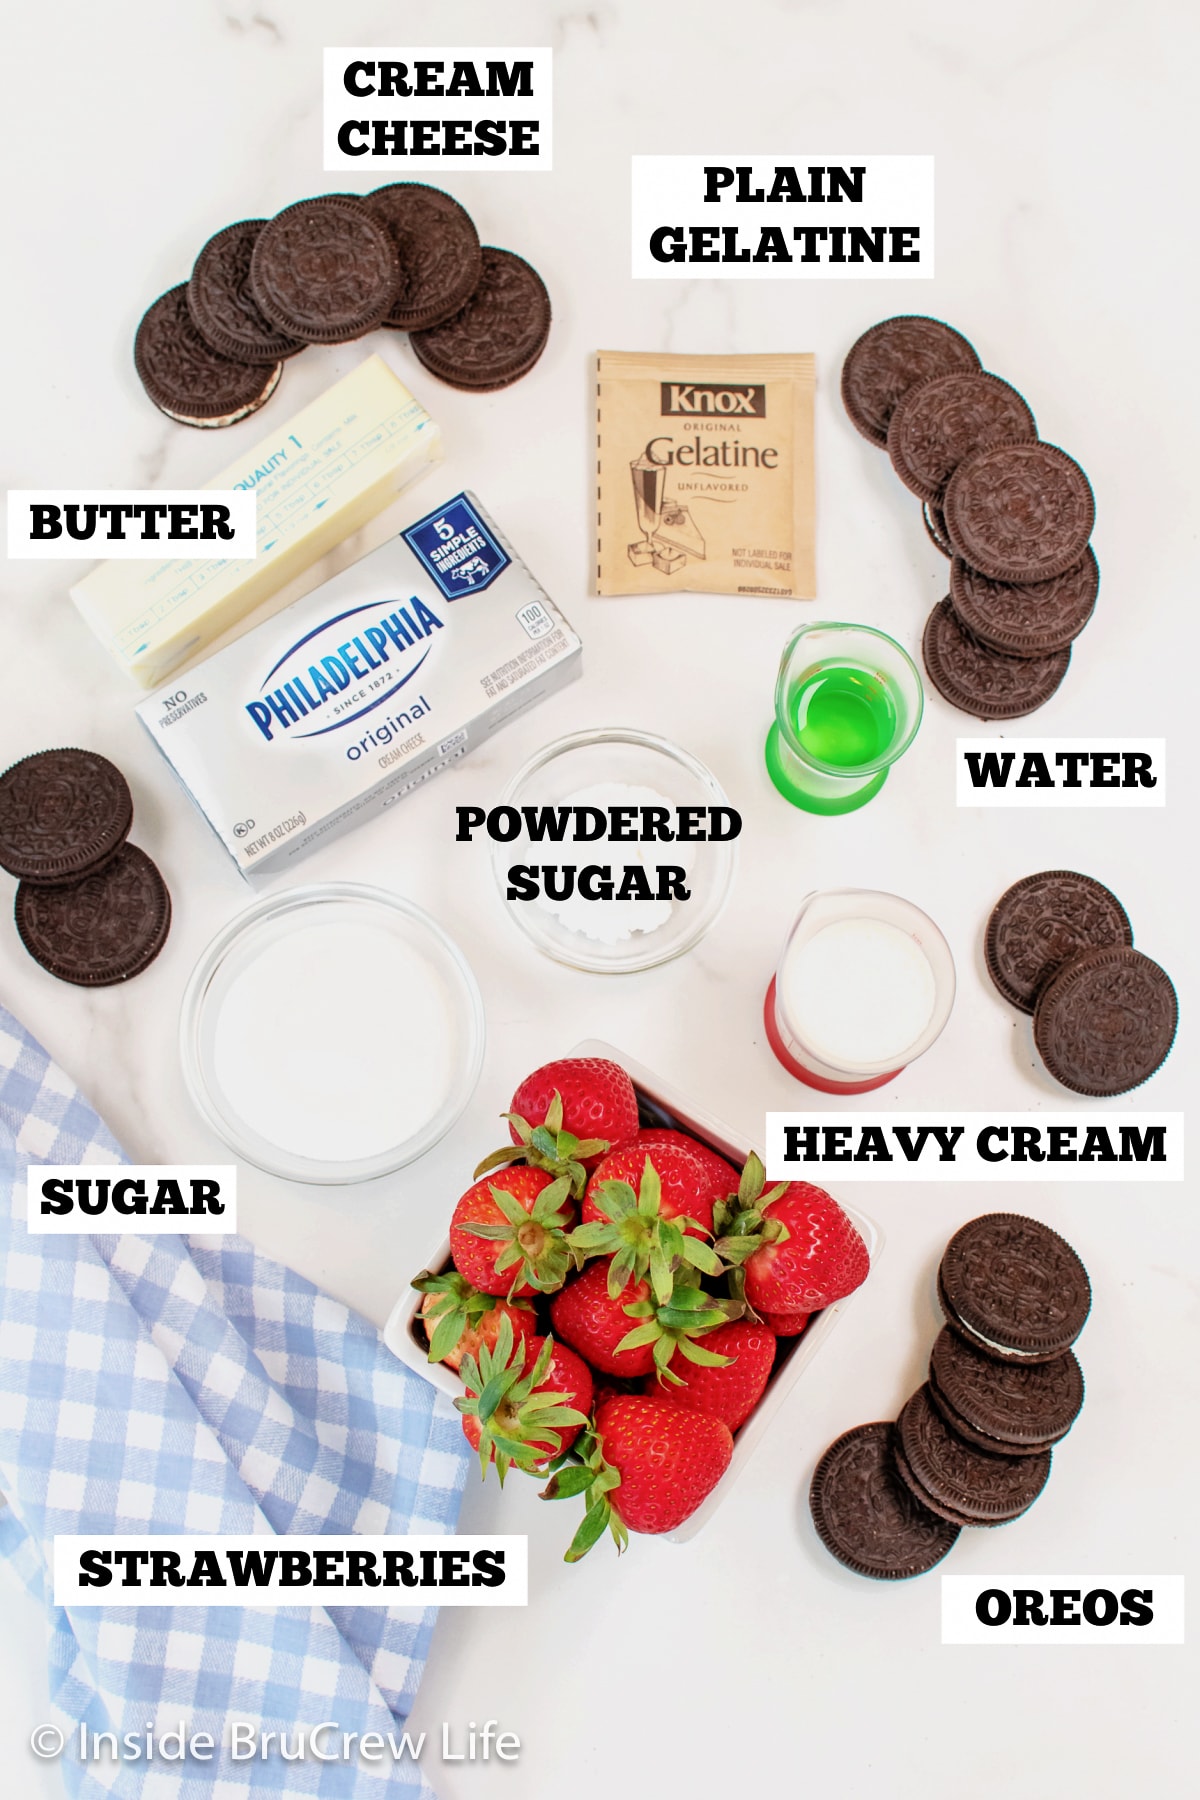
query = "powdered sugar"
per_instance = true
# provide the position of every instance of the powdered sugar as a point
(613, 921)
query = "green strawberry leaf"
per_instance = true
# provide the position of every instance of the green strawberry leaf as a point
(649, 1333)
(511, 1153)
(568, 1482)
(591, 1238)
(661, 1281)
(448, 1326)
(649, 1192)
(509, 1206)
(521, 1126)
(752, 1180)
(595, 1524)
(698, 1354)
(701, 1256)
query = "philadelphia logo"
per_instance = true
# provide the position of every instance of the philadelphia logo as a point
(326, 661)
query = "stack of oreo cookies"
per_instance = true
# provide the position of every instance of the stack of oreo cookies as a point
(1014, 515)
(91, 907)
(1059, 946)
(325, 271)
(973, 1445)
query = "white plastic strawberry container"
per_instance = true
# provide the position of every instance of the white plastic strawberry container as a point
(660, 1105)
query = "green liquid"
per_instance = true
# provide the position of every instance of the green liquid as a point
(842, 716)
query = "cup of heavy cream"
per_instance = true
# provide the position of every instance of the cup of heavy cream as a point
(864, 986)
(332, 1033)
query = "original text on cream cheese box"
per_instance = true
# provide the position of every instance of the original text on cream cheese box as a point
(364, 689)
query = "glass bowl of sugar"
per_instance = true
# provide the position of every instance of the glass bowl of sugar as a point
(613, 850)
(332, 1033)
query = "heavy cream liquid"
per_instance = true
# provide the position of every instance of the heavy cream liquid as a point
(859, 992)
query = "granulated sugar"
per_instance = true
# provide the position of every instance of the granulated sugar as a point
(336, 1042)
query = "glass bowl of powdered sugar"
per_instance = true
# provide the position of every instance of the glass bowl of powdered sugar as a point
(613, 850)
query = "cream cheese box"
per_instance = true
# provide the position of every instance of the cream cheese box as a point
(358, 693)
(325, 485)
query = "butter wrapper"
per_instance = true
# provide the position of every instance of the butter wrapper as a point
(325, 485)
(360, 692)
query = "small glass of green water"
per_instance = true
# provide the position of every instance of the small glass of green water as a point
(848, 702)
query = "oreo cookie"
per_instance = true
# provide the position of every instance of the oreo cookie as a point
(438, 250)
(1030, 621)
(1013, 1288)
(186, 378)
(1041, 922)
(941, 421)
(63, 815)
(1106, 1021)
(980, 1439)
(498, 335)
(1016, 1409)
(222, 306)
(891, 358)
(934, 521)
(982, 681)
(101, 930)
(962, 1483)
(1020, 513)
(324, 270)
(865, 1515)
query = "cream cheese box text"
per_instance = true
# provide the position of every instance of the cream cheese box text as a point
(363, 690)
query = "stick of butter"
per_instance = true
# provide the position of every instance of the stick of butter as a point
(324, 483)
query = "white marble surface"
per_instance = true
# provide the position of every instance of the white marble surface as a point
(131, 132)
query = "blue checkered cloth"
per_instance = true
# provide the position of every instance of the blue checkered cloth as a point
(156, 1385)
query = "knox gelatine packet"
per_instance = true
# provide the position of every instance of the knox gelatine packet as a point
(705, 474)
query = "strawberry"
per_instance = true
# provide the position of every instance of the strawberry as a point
(525, 1403)
(723, 1175)
(791, 1249)
(631, 1333)
(732, 1391)
(565, 1116)
(637, 1232)
(458, 1319)
(786, 1324)
(687, 1189)
(647, 1466)
(597, 1097)
(594, 1323)
(508, 1236)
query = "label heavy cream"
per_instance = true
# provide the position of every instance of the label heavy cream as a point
(321, 482)
(364, 689)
